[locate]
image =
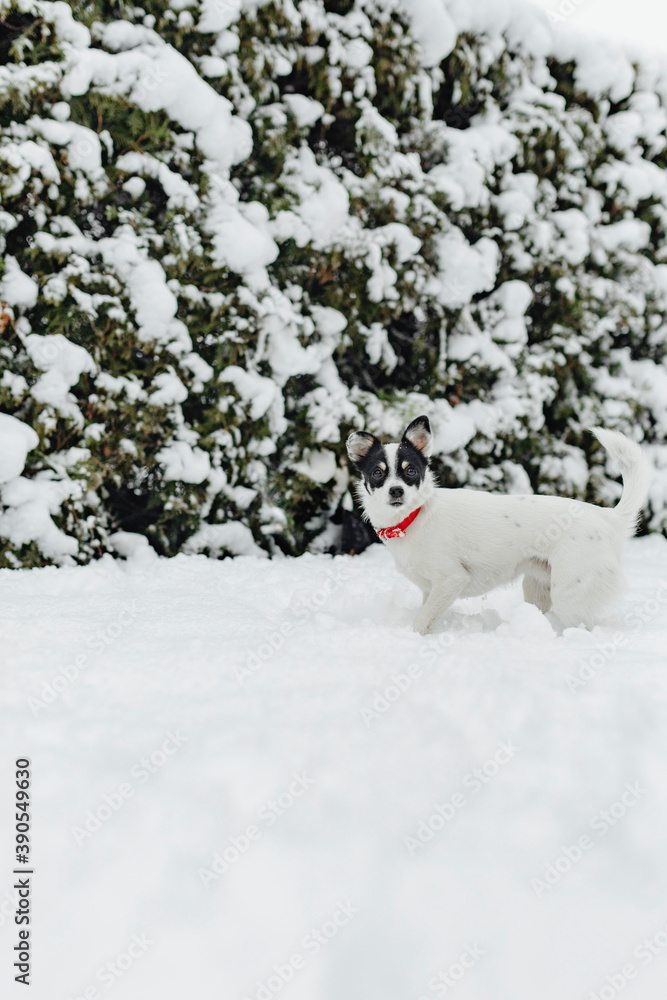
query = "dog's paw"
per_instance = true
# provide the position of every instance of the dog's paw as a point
(422, 625)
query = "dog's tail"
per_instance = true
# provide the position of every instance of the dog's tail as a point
(636, 471)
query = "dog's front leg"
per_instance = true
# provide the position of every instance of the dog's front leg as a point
(444, 592)
(419, 580)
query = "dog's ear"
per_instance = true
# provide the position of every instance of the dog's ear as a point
(359, 443)
(419, 434)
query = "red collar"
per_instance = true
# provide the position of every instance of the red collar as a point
(398, 530)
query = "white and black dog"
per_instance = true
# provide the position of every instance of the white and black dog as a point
(462, 543)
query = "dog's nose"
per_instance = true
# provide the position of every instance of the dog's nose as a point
(396, 492)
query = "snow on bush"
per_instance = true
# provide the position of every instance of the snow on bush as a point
(233, 231)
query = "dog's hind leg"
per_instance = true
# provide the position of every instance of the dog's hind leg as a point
(537, 585)
(537, 592)
(582, 589)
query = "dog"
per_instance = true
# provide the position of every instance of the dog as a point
(462, 543)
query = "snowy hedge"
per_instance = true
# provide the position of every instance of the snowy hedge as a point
(233, 230)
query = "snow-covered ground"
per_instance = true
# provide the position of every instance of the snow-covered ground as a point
(394, 813)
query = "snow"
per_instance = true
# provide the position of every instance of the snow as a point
(293, 757)
(324, 203)
(603, 68)
(231, 538)
(154, 303)
(327, 320)
(432, 27)
(61, 111)
(512, 299)
(132, 546)
(29, 505)
(378, 346)
(16, 287)
(84, 150)
(320, 466)
(16, 440)
(63, 363)
(239, 243)
(455, 426)
(306, 110)
(157, 77)
(574, 243)
(25, 157)
(629, 234)
(183, 462)
(262, 393)
(217, 14)
(465, 270)
(180, 194)
(473, 155)
(135, 187)
(640, 179)
(70, 30)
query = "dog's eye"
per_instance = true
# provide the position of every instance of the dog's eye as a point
(377, 474)
(411, 471)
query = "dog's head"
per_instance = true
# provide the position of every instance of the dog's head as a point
(396, 478)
